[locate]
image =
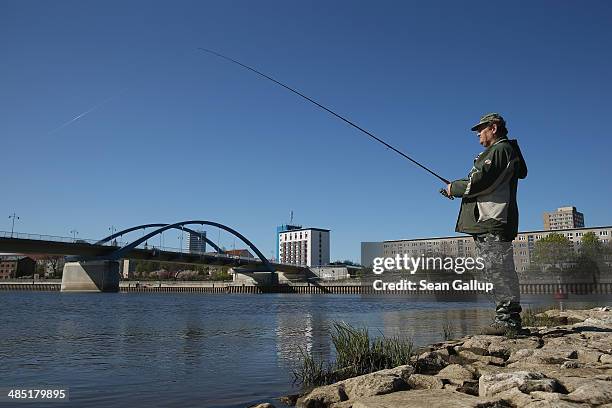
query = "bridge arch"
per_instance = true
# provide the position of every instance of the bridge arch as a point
(121, 252)
(143, 226)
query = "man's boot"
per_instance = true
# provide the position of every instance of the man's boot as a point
(507, 319)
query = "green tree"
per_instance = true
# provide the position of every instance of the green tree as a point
(591, 246)
(41, 268)
(592, 256)
(553, 250)
(221, 276)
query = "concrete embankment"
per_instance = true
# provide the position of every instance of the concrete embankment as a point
(353, 287)
(569, 365)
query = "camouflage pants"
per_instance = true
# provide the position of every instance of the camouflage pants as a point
(497, 255)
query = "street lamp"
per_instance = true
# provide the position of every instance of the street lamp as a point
(112, 230)
(14, 217)
(74, 234)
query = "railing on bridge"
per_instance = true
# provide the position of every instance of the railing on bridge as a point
(76, 240)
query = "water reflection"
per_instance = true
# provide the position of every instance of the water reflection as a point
(308, 333)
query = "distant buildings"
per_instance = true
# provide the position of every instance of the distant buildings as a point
(463, 246)
(335, 272)
(243, 253)
(303, 246)
(196, 243)
(563, 218)
(12, 266)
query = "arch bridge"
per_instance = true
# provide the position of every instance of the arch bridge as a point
(100, 271)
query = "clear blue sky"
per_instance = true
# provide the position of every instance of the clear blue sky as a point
(183, 135)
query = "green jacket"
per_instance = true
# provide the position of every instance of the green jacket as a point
(488, 194)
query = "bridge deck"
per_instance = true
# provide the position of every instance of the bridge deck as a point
(34, 246)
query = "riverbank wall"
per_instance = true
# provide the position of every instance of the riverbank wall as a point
(337, 288)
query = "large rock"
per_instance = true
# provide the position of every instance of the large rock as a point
(480, 344)
(519, 355)
(599, 318)
(430, 363)
(551, 332)
(290, 399)
(423, 399)
(491, 384)
(367, 385)
(594, 392)
(514, 397)
(601, 341)
(547, 396)
(322, 397)
(554, 404)
(572, 383)
(455, 372)
(470, 356)
(425, 382)
(506, 347)
(378, 383)
(588, 356)
(404, 371)
(541, 356)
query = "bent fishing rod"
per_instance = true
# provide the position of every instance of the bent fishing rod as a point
(445, 181)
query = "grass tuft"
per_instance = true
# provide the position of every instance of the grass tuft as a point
(448, 331)
(356, 354)
(536, 318)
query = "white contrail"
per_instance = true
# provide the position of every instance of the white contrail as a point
(63, 125)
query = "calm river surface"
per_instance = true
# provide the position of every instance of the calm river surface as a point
(196, 350)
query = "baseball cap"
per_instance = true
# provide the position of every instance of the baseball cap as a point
(488, 118)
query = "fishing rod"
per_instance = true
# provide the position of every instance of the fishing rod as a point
(445, 181)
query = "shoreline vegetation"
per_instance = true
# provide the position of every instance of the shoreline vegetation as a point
(356, 354)
(564, 361)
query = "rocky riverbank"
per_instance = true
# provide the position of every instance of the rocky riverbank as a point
(566, 365)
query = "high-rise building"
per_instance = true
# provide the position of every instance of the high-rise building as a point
(304, 246)
(197, 242)
(563, 218)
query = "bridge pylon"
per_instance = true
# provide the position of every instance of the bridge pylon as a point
(91, 276)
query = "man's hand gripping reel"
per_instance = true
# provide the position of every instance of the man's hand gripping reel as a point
(445, 193)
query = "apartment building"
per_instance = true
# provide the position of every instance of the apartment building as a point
(563, 218)
(462, 246)
(304, 246)
(524, 244)
(14, 266)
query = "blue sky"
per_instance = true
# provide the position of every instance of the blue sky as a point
(178, 134)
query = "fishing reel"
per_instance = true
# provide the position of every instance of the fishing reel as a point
(445, 194)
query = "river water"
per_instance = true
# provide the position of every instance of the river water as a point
(197, 350)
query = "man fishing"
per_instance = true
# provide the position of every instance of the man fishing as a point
(488, 209)
(489, 213)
